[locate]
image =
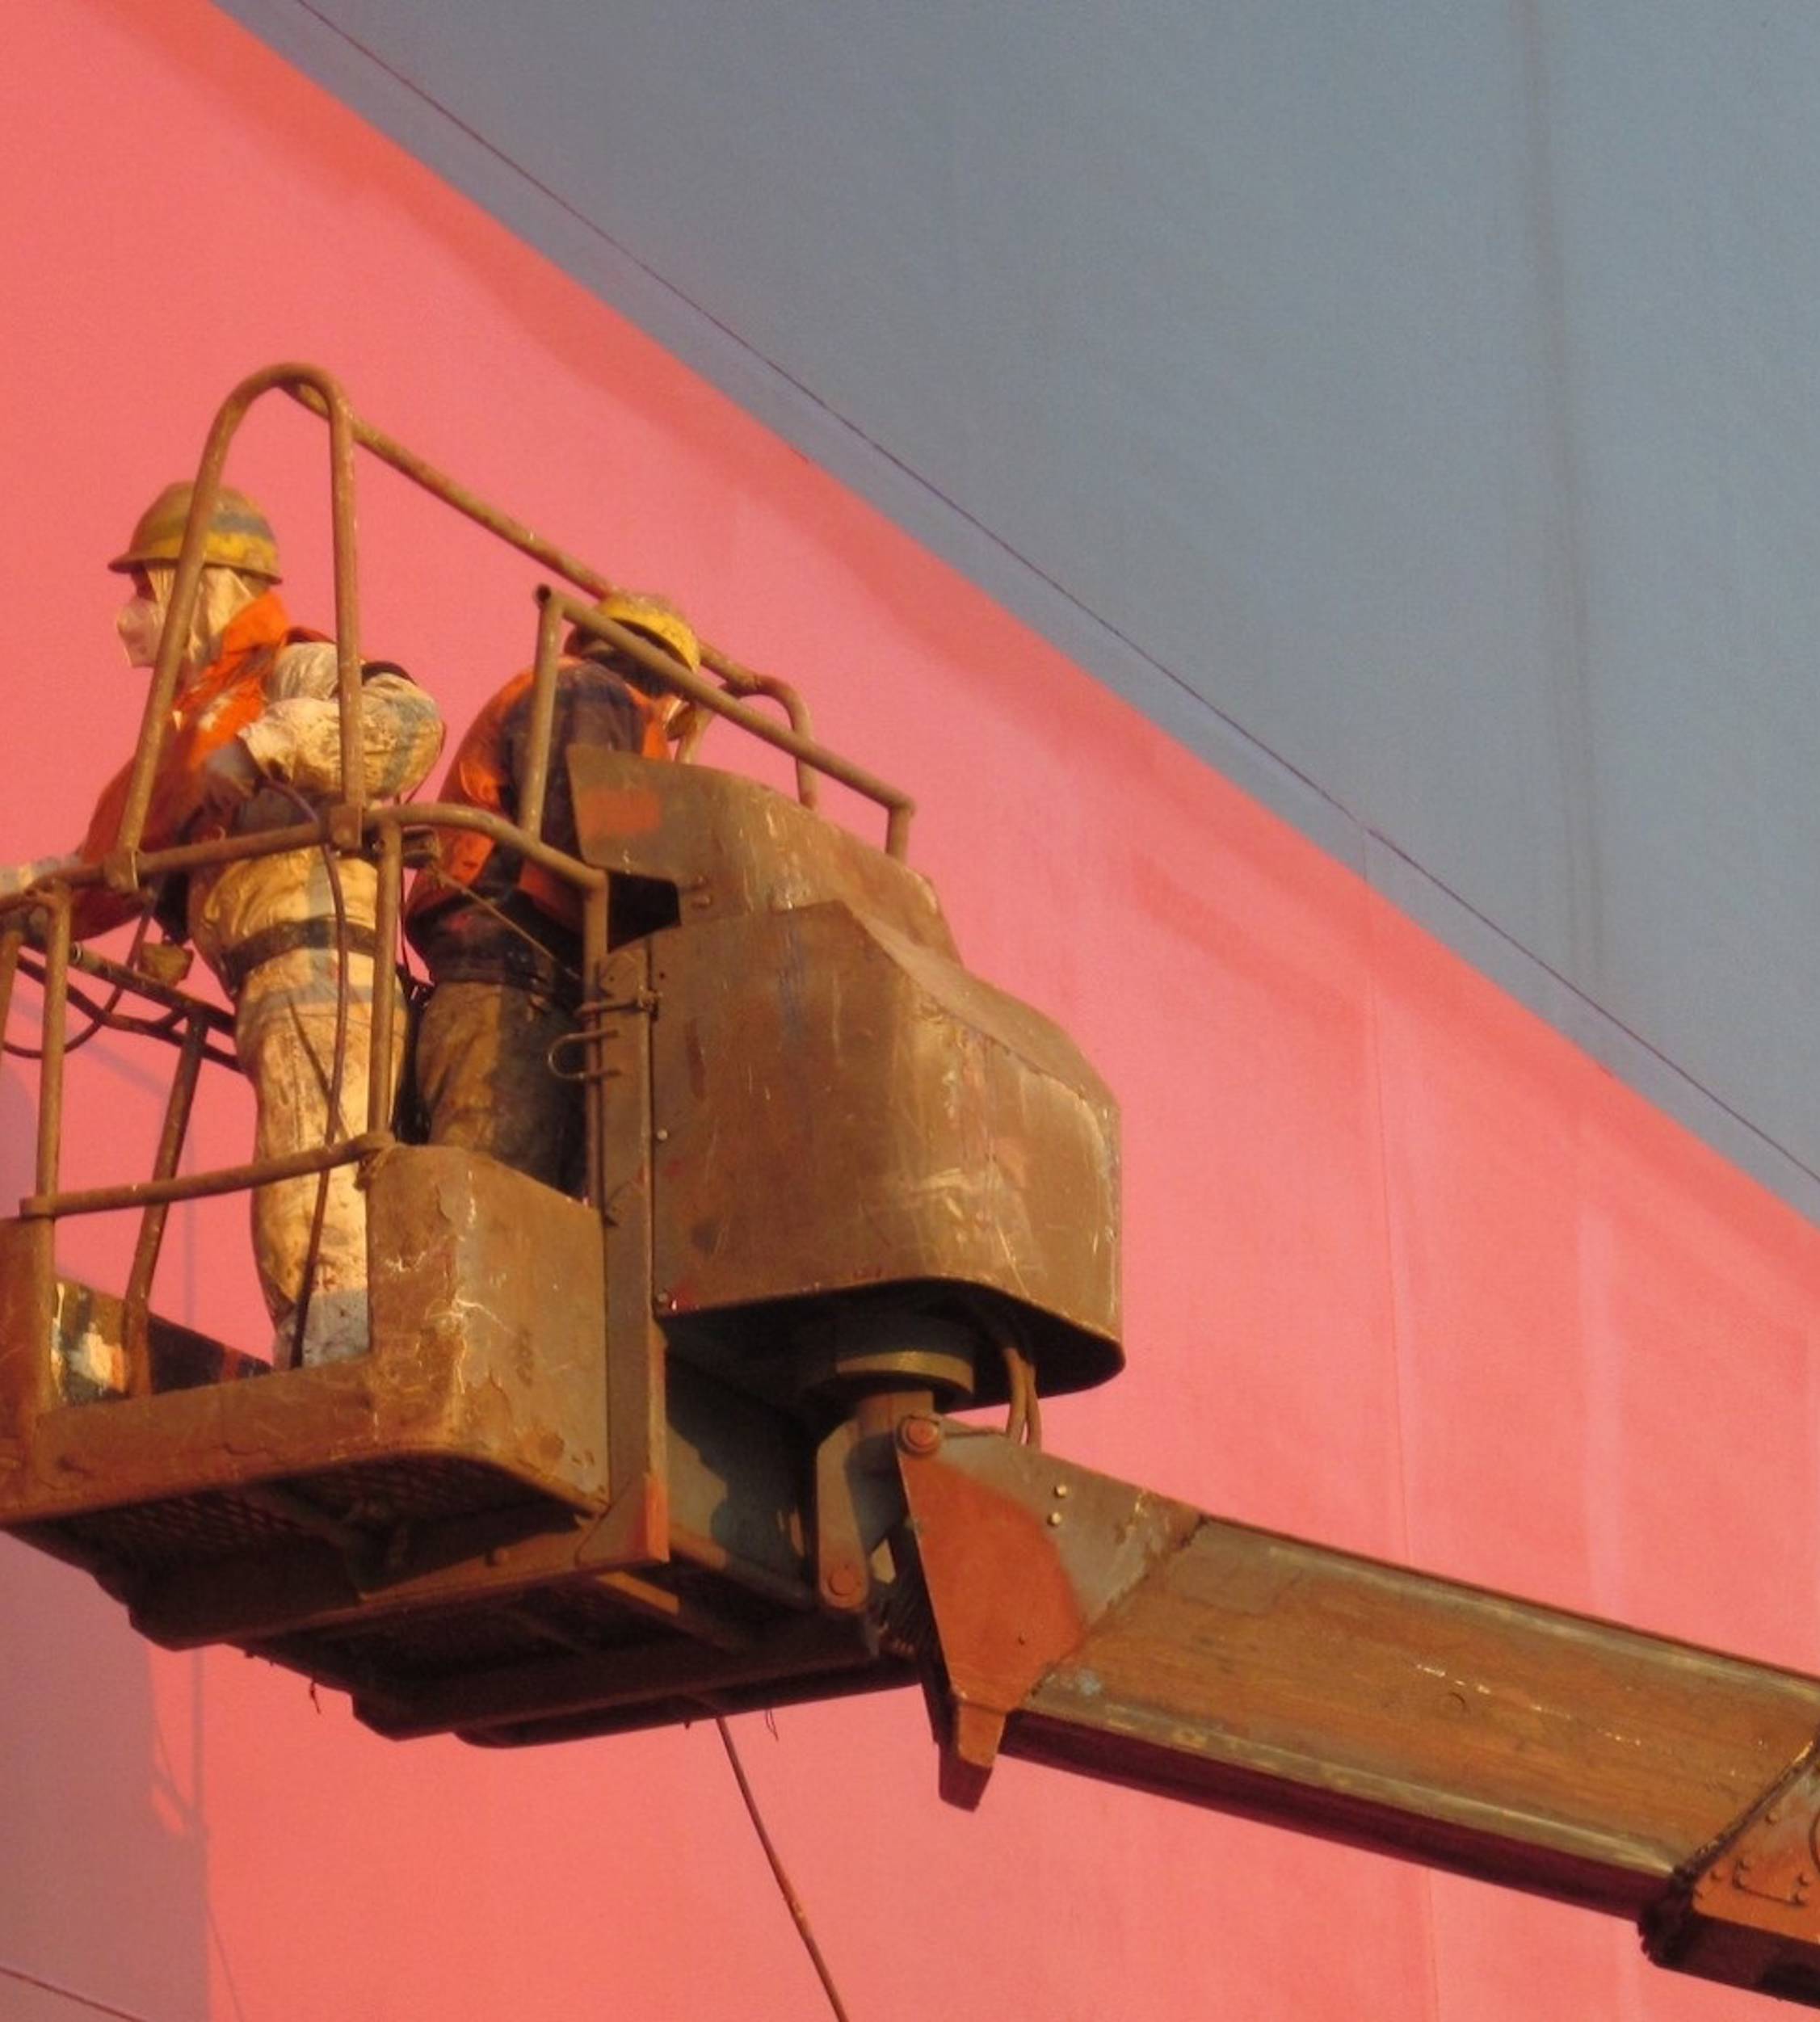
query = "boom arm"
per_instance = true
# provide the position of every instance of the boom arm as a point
(1078, 1621)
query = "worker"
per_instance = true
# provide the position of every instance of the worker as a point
(254, 743)
(502, 937)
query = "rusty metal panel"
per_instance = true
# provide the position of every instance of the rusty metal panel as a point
(737, 1479)
(736, 1501)
(486, 1297)
(562, 1696)
(434, 1527)
(732, 846)
(630, 1343)
(1749, 1917)
(1389, 1690)
(27, 1305)
(486, 1292)
(898, 1122)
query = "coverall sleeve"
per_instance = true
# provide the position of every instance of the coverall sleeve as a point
(94, 910)
(297, 737)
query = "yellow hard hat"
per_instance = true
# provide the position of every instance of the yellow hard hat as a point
(658, 620)
(239, 536)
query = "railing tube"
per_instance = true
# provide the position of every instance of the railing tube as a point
(316, 391)
(543, 718)
(380, 1089)
(347, 593)
(672, 675)
(808, 785)
(594, 1018)
(57, 1012)
(306, 385)
(198, 1186)
(136, 1308)
(179, 618)
(12, 939)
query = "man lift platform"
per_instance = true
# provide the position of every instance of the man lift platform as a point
(686, 1446)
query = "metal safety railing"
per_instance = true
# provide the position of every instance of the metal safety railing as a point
(322, 395)
(36, 938)
(37, 935)
(556, 611)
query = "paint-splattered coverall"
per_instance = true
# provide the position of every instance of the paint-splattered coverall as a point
(266, 928)
(502, 939)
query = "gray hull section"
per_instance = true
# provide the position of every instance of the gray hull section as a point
(1414, 411)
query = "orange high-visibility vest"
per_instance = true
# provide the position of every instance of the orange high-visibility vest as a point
(215, 706)
(479, 776)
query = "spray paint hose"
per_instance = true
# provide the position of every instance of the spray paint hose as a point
(1023, 1424)
(102, 1017)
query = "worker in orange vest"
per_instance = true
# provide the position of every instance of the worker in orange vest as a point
(254, 743)
(501, 938)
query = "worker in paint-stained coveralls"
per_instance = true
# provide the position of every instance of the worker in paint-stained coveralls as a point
(501, 937)
(255, 728)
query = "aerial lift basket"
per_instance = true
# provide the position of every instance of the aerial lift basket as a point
(599, 1464)
(688, 1445)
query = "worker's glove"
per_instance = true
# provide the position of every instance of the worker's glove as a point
(229, 778)
(16, 877)
(165, 962)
